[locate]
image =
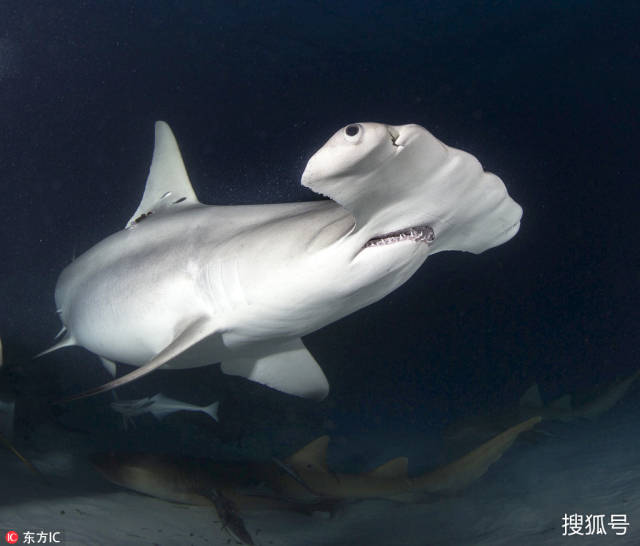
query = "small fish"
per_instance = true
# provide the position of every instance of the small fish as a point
(160, 406)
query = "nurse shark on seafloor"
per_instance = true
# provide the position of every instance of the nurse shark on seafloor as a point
(187, 285)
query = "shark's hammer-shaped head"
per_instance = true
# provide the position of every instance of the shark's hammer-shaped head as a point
(405, 186)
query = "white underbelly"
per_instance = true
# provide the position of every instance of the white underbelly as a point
(131, 324)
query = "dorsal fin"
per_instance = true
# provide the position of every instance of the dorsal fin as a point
(531, 398)
(562, 403)
(313, 455)
(168, 183)
(395, 468)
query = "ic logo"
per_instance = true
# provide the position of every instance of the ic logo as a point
(12, 537)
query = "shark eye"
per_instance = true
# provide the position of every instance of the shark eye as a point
(353, 132)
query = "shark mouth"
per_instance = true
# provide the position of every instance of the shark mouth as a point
(419, 234)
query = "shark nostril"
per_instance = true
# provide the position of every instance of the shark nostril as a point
(393, 133)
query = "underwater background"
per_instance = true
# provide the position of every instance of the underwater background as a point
(545, 94)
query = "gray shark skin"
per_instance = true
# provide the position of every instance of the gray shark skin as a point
(187, 285)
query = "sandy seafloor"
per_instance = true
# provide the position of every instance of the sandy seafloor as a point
(585, 467)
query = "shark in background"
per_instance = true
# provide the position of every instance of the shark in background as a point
(301, 483)
(187, 285)
(530, 404)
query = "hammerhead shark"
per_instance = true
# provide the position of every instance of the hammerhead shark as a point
(302, 483)
(186, 285)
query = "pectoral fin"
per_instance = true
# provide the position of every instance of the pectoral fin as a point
(192, 334)
(286, 366)
(109, 366)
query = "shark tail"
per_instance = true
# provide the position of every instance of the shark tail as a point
(212, 410)
(461, 472)
(67, 341)
(608, 399)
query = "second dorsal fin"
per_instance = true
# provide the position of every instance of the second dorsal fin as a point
(395, 468)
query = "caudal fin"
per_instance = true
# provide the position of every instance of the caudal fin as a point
(212, 410)
(609, 398)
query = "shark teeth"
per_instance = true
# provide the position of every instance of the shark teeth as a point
(420, 234)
